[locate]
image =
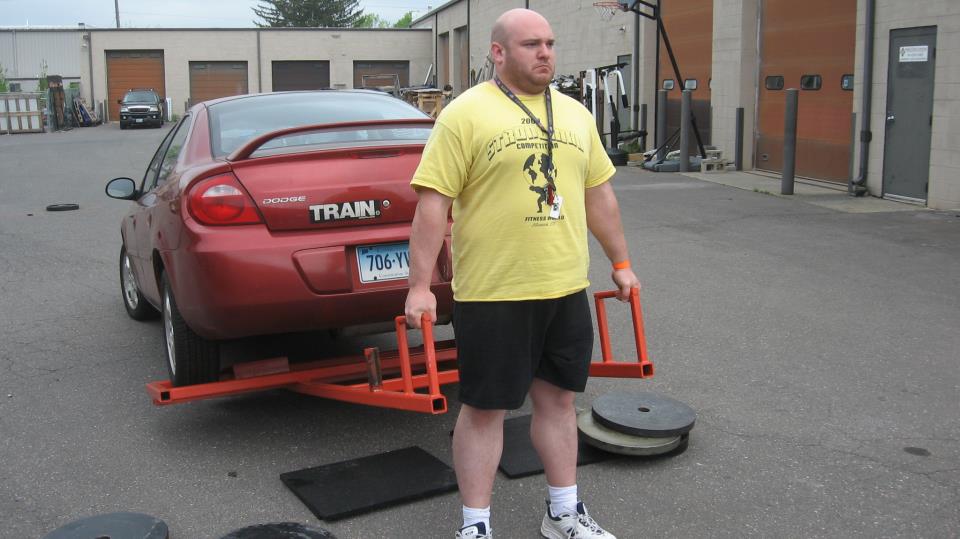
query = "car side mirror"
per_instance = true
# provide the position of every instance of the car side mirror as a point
(122, 188)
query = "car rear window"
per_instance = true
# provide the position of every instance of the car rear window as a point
(234, 122)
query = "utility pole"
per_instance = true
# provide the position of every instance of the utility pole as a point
(116, 9)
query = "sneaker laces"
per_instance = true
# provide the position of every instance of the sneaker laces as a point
(587, 521)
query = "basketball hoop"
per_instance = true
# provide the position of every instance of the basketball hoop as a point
(607, 10)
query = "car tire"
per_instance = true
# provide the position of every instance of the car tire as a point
(191, 359)
(123, 125)
(133, 301)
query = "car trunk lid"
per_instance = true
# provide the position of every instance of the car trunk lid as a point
(333, 188)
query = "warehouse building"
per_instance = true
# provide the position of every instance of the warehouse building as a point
(878, 106)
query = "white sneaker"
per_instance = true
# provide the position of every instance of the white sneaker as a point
(475, 531)
(577, 525)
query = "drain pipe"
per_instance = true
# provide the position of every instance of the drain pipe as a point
(858, 187)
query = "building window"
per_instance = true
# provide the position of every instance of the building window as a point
(810, 82)
(846, 82)
(773, 82)
(15, 87)
(690, 84)
(668, 84)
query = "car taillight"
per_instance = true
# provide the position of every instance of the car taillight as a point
(221, 200)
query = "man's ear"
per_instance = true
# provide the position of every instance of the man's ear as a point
(497, 52)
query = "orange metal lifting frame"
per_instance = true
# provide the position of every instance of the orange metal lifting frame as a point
(422, 370)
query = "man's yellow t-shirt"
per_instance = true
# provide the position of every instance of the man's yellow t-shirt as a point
(491, 158)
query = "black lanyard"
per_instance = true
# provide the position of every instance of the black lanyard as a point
(548, 130)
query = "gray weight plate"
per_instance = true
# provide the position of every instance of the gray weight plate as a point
(641, 413)
(113, 526)
(623, 444)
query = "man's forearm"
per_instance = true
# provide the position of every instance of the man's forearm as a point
(603, 220)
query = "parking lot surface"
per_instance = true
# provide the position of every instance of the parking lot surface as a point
(818, 347)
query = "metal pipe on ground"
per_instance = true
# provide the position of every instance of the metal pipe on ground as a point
(738, 143)
(661, 137)
(643, 127)
(686, 101)
(789, 142)
(858, 187)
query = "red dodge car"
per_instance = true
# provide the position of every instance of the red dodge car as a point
(274, 213)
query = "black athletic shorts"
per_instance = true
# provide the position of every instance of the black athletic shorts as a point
(503, 345)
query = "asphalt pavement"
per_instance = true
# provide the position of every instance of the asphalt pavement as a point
(817, 341)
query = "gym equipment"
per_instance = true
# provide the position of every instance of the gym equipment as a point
(519, 458)
(113, 525)
(643, 414)
(280, 530)
(392, 378)
(350, 487)
(619, 443)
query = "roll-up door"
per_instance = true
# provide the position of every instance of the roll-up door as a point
(809, 46)
(373, 69)
(300, 75)
(210, 80)
(689, 25)
(132, 69)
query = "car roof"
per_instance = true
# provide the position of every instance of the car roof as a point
(336, 91)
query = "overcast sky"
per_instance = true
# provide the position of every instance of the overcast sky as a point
(167, 13)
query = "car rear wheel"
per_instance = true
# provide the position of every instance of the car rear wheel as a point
(137, 307)
(191, 359)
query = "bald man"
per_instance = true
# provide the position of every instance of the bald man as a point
(526, 174)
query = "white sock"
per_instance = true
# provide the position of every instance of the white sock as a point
(472, 516)
(563, 499)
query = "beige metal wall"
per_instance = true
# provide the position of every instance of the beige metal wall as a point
(735, 68)
(340, 46)
(944, 180)
(23, 51)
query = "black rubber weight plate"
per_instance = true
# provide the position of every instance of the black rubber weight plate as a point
(113, 526)
(643, 414)
(280, 530)
(623, 444)
(63, 207)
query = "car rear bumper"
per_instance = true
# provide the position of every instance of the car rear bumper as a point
(243, 281)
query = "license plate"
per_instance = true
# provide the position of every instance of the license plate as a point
(387, 262)
(139, 120)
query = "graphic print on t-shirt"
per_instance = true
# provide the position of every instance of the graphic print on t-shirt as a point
(541, 172)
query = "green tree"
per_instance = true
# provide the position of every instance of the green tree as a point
(307, 13)
(404, 22)
(371, 20)
(3, 79)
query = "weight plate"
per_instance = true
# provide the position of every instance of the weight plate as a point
(113, 526)
(623, 444)
(643, 414)
(280, 530)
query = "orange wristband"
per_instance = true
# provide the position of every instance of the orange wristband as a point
(621, 265)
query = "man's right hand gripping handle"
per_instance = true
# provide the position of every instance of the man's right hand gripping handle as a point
(420, 301)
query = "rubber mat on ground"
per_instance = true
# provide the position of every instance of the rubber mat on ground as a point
(347, 488)
(520, 459)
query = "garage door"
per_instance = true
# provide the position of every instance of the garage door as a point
(689, 25)
(132, 69)
(301, 75)
(380, 73)
(809, 46)
(210, 80)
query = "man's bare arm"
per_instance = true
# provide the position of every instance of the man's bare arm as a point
(603, 220)
(426, 238)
